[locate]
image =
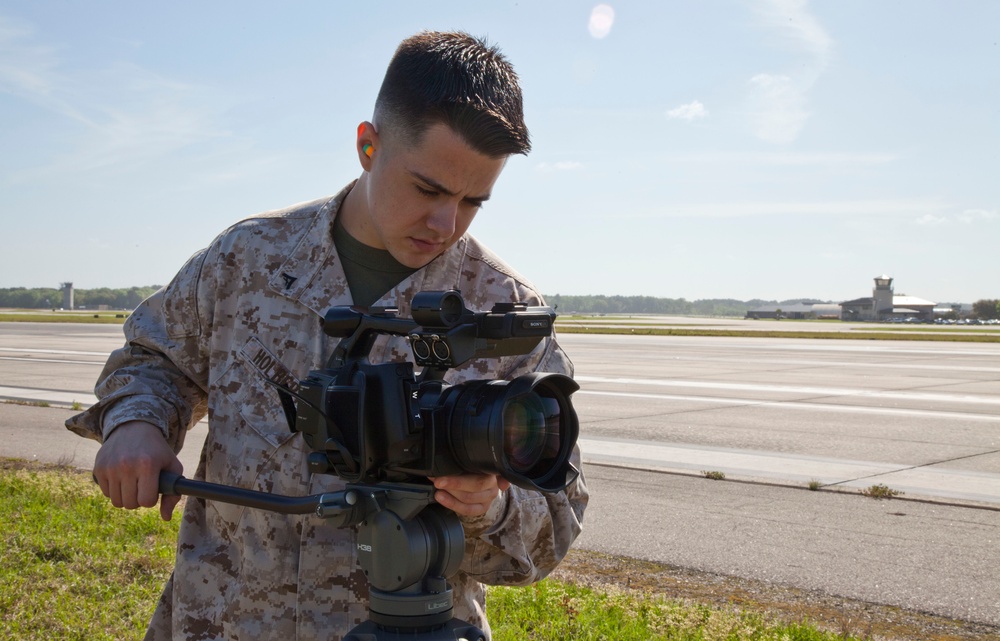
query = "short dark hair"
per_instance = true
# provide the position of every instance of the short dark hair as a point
(459, 80)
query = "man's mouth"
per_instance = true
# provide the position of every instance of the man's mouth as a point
(427, 245)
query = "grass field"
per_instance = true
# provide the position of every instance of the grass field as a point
(75, 568)
(35, 316)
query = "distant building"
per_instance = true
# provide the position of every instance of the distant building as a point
(885, 305)
(912, 307)
(882, 305)
(67, 292)
(796, 311)
(826, 310)
(859, 309)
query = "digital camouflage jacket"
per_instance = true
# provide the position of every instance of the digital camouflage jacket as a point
(247, 309)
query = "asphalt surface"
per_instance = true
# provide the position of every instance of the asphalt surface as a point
(773, 416)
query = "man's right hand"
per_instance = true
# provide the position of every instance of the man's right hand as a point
(128, 467)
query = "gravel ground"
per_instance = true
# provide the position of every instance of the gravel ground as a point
(840, 615)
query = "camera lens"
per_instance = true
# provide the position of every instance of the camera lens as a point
(526, 433)
(523, 430)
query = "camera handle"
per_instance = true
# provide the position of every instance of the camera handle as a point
(407, 546)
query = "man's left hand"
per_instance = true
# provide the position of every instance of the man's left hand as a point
(469, 494)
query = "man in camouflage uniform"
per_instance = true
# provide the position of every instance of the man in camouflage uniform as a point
(247, 309)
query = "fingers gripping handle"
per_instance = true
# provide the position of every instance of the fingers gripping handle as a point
(168, 481)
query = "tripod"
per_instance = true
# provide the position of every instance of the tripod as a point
(407, 546)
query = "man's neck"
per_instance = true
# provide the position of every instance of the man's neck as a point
(353, 214)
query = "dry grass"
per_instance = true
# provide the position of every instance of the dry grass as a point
(846, 617)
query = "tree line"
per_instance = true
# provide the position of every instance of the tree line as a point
(129, 298)
(982, 309)
(667, 306)
(51, 298)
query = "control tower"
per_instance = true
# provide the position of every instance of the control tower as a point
(67, 292)
(883, 294)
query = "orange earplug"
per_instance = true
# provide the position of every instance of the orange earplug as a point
(367, 148)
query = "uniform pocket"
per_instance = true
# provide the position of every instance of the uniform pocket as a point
(250, 444)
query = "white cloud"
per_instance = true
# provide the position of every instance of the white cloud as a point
(777, 108)
(932, 220)
(792, 21)
(122, 115)
(778, 101)
(23, 66)
(970, 216)
(966, 217)
(691, 111)
(602, 18)
(29, 70)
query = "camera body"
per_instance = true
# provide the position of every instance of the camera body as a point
(383, 422)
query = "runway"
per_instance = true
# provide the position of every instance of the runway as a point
(778, 416)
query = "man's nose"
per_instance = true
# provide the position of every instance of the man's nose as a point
(442, 219)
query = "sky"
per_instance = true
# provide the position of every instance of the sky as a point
(745, 149)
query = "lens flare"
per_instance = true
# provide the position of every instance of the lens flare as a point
(602, 17)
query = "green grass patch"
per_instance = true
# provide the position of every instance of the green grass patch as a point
(551, 610)
(989, 329)
(73, 566)
(64, 317)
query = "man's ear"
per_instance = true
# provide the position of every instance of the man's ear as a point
(367, 144)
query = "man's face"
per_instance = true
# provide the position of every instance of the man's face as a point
(422, 198)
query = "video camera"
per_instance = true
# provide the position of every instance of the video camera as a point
(372, 423)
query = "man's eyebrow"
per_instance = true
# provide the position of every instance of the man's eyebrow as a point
(436, 186)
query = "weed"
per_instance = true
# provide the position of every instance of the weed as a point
(715, 475)
(880, 491)
(850, 629)
(815, 484)
(28, 403)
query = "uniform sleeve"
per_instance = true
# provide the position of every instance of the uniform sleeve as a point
(526, 533)
(160, 375)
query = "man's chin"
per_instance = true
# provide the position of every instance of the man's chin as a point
(419, 259)
(416, 261)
